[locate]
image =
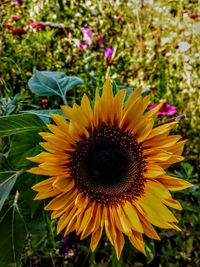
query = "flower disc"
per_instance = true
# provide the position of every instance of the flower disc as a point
(108, 166)
(107, 169)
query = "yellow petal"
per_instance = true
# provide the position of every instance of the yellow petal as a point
(178, 148)
(65, 218)
(144, 131)
(157, 189)
(107, 101)
(47, 194)
(159, 157)
(150, 211)
(97, 110)
(170, 202)
(118, 106)
(153, 171)
(88, 213)
(145, 102)
(51, 148)
(58, 131)
(57, 202)
(161, 129)
(37, 158)
(173, 183)
(64, 184)
(132, 98)
(92, 223)
(132, 115)
(37, 170)
(154, 112)
(174, 226)
(110, 232)
(96, 236)
(125, 223)
(173, 159)
(132, 215)
(137, 241)
(148, 229)
(66, 209)
(86, 107)
(62, 201)
(72, 223)
(164, 142)
(119, 243)
(63, 126)
(45, 185)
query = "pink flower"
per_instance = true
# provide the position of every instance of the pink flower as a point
(194, 16)
(108, 52)
(9, 26)
(87, 35)
(15, 17)
(19, 31)
(37, 25)
(17, 3)
(30, 21)
(79, 44)
(100, 39)
(166, 109)
(118, 17)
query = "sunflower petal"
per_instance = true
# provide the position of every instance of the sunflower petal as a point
(173, 183)
(137, 241)
(132, 215)
(63, 183)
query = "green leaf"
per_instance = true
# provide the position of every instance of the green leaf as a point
(13, 234)
(24, 145)
(45, 115)
(48, 83)
(24, 185)
(8, 177)
(6, 186)
(20, 123)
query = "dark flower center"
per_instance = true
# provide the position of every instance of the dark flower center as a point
(108, 166)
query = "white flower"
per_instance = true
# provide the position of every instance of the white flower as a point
(183, 46)
(165, 40)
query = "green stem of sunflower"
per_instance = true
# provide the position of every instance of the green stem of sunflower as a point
(115, 261)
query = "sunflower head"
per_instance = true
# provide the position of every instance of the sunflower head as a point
(106, 169)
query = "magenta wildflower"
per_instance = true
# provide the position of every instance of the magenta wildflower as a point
(15, 17)
(108, 52)
(9, 26)
(118, 17)
(79, 44)
(17, 3)
(19, 31)
(194, 16)
(100, 39)
(166, 109)
(87, 35)
(37, 25)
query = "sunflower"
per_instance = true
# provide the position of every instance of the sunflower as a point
(107, 168)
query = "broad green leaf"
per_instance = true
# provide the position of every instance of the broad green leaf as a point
(24, 145)
(24, 185)
(20, 123)
(8, 178)
(44, 115)
(48, 83)
(13, 234)
(4, 164)
(6, 186)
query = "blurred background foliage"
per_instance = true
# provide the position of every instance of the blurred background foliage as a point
(139, 43)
